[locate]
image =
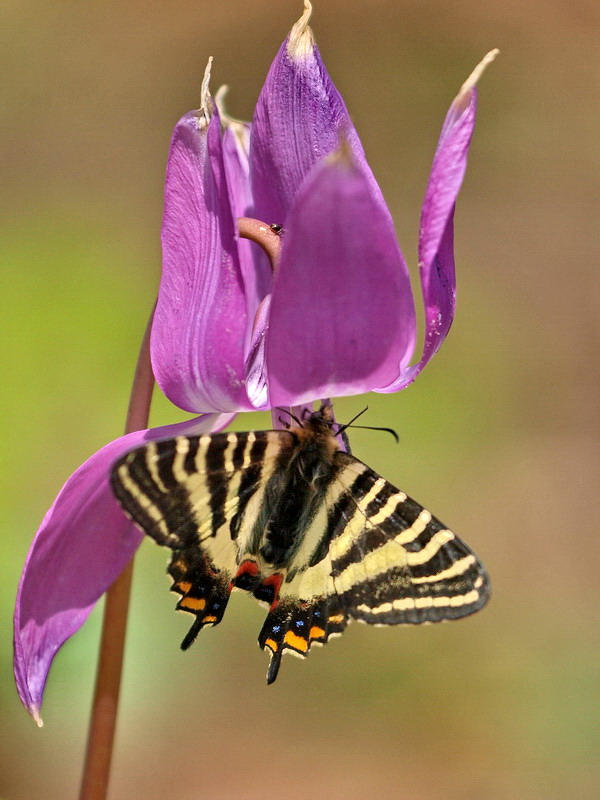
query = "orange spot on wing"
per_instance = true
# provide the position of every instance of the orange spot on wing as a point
(316, 633)
(192, 603)
(297, 642)
(336, 618)
(182, 586)
(209, 619)
(271, 643)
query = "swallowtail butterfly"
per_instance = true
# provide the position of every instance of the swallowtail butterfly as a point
(306, 528)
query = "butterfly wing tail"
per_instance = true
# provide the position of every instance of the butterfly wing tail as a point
(294, 626)
(205, 590)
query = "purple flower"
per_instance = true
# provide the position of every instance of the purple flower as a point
(337, 317)
(229, 334)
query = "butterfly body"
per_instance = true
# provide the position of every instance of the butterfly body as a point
(295, 491)
(309, 530)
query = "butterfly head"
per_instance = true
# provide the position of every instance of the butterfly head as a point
(323, 418)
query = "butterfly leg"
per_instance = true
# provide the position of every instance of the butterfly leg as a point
(205, 590)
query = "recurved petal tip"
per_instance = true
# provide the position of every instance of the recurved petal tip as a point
(301, 38)
(299, 118)
(436, 234)
(205, 87)
(35, 714)
(461, 101)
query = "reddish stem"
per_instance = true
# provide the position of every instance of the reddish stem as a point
(96, 771)
(264, 235)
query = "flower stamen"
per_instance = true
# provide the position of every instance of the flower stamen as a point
(266, 236)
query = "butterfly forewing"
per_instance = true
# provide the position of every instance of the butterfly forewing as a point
(190, 494)
(393, 562)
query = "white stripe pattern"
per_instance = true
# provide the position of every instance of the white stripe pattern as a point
(408, 603)
(143, 500)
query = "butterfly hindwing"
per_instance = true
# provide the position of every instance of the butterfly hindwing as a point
(294, 625)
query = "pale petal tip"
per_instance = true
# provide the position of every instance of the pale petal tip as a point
(220, 95)
(301, 39)
(35, 714)
(479, 70)
(461, 100)
(205, 98)
(226, 117)
(238, 127)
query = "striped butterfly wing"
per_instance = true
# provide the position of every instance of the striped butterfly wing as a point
(190, 494)
(392, 561)
(373, 554)
(362, 549)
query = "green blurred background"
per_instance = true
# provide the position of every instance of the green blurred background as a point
(499, 436)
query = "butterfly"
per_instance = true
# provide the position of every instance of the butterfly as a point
(309, 530)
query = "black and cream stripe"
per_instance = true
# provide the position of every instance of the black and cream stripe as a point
(306, 528)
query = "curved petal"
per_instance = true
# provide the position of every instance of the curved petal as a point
(299, 118)
(436, 234)
(254, 264)
(82, 545)
(342, 316)
(256, 376)
(200, 323)
(236, 146)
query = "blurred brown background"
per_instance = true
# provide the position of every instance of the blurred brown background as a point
(499, 437)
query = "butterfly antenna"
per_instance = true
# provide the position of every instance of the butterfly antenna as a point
(342, 428)
(386, 430)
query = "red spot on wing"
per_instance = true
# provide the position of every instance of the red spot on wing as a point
(275, 582)
(248, 568)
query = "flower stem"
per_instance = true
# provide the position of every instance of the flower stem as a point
(96, 771)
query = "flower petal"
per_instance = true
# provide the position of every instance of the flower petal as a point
(82, 545)
(254, 264)
(436, 235)
(201, 321)
(256, 377)
(342, 317)
(299, 118)
(236, 146)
